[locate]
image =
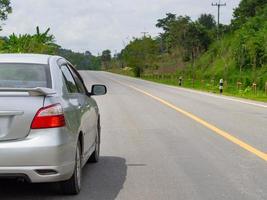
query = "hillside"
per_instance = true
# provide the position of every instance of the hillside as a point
(240, 56)
(191, 50)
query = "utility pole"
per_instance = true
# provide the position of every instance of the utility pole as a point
(219, 5)
(144, 33)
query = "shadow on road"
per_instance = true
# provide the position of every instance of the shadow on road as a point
(101, 181)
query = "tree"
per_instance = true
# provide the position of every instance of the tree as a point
(188, 36)
(140, 54)
(194, 41)
(249, 46)
(5, 9)
(177, 31)
(87, 53)
(165, 24)
(209, 29)
(246, 10)
(106, 58)
(207, 20)
(178, 35)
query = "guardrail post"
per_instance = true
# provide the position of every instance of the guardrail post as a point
(180, 81)
(221, 86)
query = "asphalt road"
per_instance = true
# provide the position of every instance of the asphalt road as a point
(161, 142)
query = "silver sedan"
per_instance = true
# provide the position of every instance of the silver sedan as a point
(49, 122)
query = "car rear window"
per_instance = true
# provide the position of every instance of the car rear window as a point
(24, 75)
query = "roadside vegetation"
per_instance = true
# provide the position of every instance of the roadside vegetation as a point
(197, 52)
(43, 43)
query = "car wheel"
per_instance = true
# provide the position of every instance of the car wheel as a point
(73, 185)
(95, 155)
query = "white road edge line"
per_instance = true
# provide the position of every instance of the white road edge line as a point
(220, 97)
(201, 92)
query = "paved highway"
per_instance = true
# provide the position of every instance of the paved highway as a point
(160, 142)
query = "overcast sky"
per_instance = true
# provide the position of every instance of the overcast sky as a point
(96, 25)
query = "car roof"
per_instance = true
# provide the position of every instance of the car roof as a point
(25, 58)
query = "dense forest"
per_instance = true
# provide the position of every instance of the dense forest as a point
(43, 43)
(201, 51)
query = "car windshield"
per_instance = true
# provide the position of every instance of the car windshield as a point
(20, 75)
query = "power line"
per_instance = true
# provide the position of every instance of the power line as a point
(219, 5)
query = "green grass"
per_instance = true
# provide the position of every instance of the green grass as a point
(201, 85)
(211, 86)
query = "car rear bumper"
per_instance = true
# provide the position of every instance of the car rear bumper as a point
(31, 173)
(44, 156)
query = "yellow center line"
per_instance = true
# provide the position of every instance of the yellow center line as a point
(216, 130)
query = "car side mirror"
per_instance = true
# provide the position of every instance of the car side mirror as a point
(98, 90)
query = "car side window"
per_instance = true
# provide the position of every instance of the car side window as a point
(69, 80)
(78, 81)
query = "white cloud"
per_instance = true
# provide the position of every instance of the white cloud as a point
(97, 25)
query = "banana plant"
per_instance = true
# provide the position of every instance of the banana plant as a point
(26, 43)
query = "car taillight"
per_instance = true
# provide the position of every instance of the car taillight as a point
(49, 117)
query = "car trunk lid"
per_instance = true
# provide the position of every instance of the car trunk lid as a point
(17, 110)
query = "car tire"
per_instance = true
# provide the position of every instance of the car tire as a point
(73, 185)
(94, 158)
